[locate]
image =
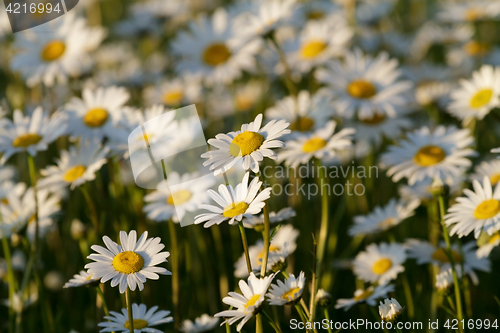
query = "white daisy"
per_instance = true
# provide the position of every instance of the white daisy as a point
(365, 85)
(142, 317)
(478, 211)
(30, 133)
(48, 205)
(490, 169)
(257, 222)
(444, 279)
(322, 144)
(174, 93)
(432, 83)
(383, 218)
(316, 10)
(389, 310)
(287, 292)
(476, 98)
(244, 199)
(488, 245)
(469, 11)
(323, 298)
(204, 323)
(369, 295)
(248, 303)
(251, 144)
(422, 189)
(439, 153)
(380, 263)
(81, 279)
(16, 209)
(129, 264)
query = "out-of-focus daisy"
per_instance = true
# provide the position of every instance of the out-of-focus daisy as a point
(257, 222)
(469, 11)
(94, 115)
(129, 264)
(74, 167)
(322, 144)
(439, 153)
(365, 85)
(465, 57)
(323, 298)
(422, 189)
(380, 263)
(251, 144)
(465, 256)
(22, 300)
(370, 11)
(477, 97)
(190, 192)
(81, 279)
(142, 317)
(204, 323)
(244, 199)
(383, 218)
(16, 209)
(248, 303)
(389, 310)
(48, 205)
(30, 133)
(369, 295)
(490, 169)
(287, 292)
(316, 10)
(478, 211)
(175, 92)
(487, 245)
(210, 50)
(432, 83)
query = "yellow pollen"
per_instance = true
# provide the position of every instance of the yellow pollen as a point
(26, 140)
(272, 248)
(5, 201)
(387, 223)
(376, 119)
(315, 15)
(53, 50)
(429, 155)
(180, 197)
(382, 266)
(473, 14)
(96, 117)
(216, 54)
(313, 145)
(74, 173)
(487, 209)
(361, 89)
(233, 210)
(252, 301)
(312, 49)
(245, 143)
(481, 98)
(494, 238)
(303, 124)
(32, 219)
(173, 97)
(495, 179)
(128, 262)
(243, 103)
(139, 324)
(366, 293)
(441, 256)
(290, 295)
(476, 49)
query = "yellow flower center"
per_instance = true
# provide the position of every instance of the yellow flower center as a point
(481, 98)
(367, 293)
(487, 209)
(233, 210)
(429, 155)
(252, 301)
(243, 103)
(312, 49)
(272, 248)
(180, 197)
(473, 14)
(495, 179)
(128, 262)
(387, 223)
(476, 49)
(139, 324)
(26, 140)
(216, 54)
(315, 15)
(361, 89)
(290, 295)
(441, 256)
(382, 266)
(96, 117)
(376, 119)
(245, 143)
(74, 173)
(303, 124)
(173, 97)
(53, 50)
(313, 144)
(5, 201)
(495, 238)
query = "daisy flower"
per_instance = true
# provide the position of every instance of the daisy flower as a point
(16, 209)
(248, 303)
(174, 93)
(81, 279)
(488, 245)
(322, 144)
(74, 167)
(383, 218)
(287, 292)
(143, 320)
(439, 153)
(211, 51)
(490, 169)
(257, 222)
(244, 199)
(95, 114)
(476, 98)
(431, 82)
(129, 264)
(250, 144)
(316, 10)
(48, 205)
(389, 310)
(30, 133)
(380, 263)
(204, 323)
(478, 211)
(365, 85)
(422, 189)
(323, 298)
(368, 296)
(444, 279)
(469, 11)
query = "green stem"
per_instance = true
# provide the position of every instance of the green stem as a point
(129, 310)
(175, 269)
(327, 317)
(103, 300)
(245, 246)
(32, 169)
(271, 322)
(288, 73)
(302, 315)
(258, 321)
(314, 287)
(408, 296)
(323, 232)
(10, 272)
(267, 241)
(93, 212)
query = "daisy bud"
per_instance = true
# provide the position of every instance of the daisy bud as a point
(390, 310)
(444, 280)
(439, 188)
(77, 229)
(323, 298)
